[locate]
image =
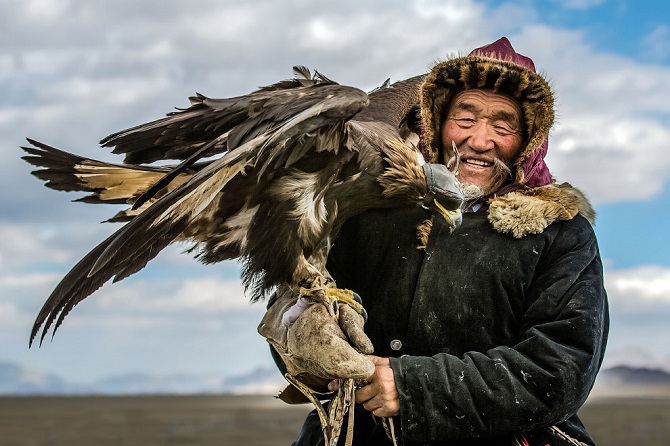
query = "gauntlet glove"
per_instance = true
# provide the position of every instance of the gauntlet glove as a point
(314, 347)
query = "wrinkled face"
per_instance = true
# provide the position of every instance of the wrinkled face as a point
(487, 129)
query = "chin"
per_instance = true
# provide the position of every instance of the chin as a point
(473, 190)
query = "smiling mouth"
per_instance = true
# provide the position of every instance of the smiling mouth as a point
(477, 163)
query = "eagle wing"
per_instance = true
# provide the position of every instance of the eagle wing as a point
(184, 134)
(304, 142)
(215, 125)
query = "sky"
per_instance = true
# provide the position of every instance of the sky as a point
(74, 71)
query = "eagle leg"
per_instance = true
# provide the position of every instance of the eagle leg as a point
(331, 297)
(316, 291)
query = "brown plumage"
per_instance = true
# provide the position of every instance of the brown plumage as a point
(297, 158)
(106, 183)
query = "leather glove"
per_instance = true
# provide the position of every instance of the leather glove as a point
(316, 348)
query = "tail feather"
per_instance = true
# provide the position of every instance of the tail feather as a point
(104, 182)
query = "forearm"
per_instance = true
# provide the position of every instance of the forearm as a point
(444, 397)
(540, 381)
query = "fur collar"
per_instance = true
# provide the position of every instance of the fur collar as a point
(530, 211)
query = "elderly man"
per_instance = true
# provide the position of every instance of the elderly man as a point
(492, 335)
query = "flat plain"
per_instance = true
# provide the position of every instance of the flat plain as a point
(257, 420)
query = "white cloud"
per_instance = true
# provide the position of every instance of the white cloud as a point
(639, 312)
(644, 286)
(611, 133)
(608, 162)
(206, 295)
(9, 314)
(35, 281)
(23, 246)
(453, 13)
(95, 92)
(577, 4)
(46, 9)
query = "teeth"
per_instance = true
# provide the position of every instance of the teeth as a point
(479, 163)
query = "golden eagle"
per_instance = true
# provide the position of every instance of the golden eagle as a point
(292, 161)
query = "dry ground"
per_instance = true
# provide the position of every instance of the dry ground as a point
(252, 420)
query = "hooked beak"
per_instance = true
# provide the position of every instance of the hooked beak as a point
(444, 196)
(454, 217)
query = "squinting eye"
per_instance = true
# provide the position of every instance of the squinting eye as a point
(504, 130)
(465, 122)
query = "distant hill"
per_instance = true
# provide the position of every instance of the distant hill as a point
(633, 375)
(16, 380)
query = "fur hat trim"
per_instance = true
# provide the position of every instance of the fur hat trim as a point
(499, 69)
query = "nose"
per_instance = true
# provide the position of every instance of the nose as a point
(480, 139)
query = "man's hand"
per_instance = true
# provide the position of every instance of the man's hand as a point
(379, 396)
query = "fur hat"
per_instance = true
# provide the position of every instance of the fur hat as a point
(533, 201)
(496, 67)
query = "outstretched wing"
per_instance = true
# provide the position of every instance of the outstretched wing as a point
(217, 125)
(182, 135)
(306, 131)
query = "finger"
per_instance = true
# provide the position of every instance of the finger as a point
(365, 393)
(373, 404)
(379, 361)
(384, 412)
(370, 407)
(382, 407)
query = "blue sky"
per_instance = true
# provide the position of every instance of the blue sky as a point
(72, 72)
(635, 232)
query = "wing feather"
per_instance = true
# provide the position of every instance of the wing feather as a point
(181, 133)
(199, 209)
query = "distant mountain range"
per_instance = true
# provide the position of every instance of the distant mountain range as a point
(16, 380)
(633, 375)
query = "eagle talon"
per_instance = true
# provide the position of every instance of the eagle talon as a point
(348, 297)
(359, 300)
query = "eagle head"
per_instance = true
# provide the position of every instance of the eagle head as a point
(445, 196)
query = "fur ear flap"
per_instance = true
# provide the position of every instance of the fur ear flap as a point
(530, 211)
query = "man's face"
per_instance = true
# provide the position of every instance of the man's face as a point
(485, 127)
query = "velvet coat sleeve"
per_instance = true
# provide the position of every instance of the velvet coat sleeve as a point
(499, 335)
